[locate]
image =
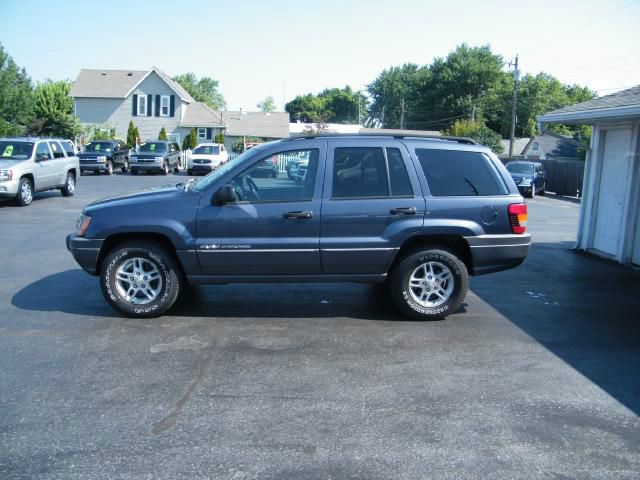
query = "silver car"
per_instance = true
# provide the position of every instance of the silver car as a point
(29, 165)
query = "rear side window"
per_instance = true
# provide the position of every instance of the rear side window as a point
(68, 147)
(57, 150)
(459, 173)
(361, 172)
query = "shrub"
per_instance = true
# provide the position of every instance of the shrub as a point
(163, 134)
(479, 132)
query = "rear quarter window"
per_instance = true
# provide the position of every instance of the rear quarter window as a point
(458, 173)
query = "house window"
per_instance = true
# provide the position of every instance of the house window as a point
(202, 133)
(142, 105)
(164, 106)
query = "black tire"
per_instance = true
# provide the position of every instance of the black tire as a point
(125, 166)
(544, 189)
(533, 192)
(27, 198)
(109, 168)
(134, 171)
(176, 169)
(152, 254)
(189, 173)
(69, 186)
(404, 296)
(165, 169)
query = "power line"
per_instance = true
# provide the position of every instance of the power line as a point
(586, 24)
(607, 60)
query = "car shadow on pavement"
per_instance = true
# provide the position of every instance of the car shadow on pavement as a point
(75, 292)
(583, 309)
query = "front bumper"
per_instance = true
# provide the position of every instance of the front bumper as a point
(525, 189)
(94, 167)
(85, 251)
(9, 188)
(156, 165)
(493, 253)
(201, 168)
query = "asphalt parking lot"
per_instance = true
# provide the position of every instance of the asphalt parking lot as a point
(538, 376)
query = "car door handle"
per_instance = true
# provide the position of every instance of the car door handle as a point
(404, 211)
(301, 214)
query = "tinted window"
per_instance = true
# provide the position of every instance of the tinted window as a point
(98, 147)
(398, 176)
(266, 180)
(68, 147)
(517, 167)
(207, 150)
(15, 150)
(359, 173)
(42, 151)
(153, 147)
(56, 148)
(459, 173)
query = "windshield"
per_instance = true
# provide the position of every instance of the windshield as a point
(153, 147)
(520, 167)
(204, 182)
(15, 150)
(98, 147)
(207, 150)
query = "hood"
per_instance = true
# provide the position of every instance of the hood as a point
(161, 193)
(9, 163)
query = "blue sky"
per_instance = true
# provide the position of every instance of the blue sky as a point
(285, 48)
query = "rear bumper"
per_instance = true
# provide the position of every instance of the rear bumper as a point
(493, 253)
(85, 251)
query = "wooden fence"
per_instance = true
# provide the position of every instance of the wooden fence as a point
(564, 175)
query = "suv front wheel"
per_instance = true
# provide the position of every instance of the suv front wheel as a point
(429, 284)
(140, 279)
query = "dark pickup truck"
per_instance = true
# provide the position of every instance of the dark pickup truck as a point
(104, 156)
(418, 213)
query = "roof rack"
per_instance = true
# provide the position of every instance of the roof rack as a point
(405, 134)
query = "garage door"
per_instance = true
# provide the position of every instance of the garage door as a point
(613, 190)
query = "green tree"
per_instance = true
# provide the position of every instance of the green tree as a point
(191, 140)
(16, 94)
(138, 139)
(219, 138)
(53, 108)
(131, 135)
(163, 134)
(204, 89)
(267, 105)
(186, 142)
(388, 92)
(332, 105)
(103, 133)
(479, 132)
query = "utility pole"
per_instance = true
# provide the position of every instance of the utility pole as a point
(402, 115)
(516, 75)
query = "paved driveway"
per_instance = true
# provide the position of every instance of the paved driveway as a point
(537, 377)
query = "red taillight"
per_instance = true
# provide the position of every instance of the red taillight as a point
(518, 217)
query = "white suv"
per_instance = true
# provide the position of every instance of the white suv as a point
(206, 157)
(29, 165)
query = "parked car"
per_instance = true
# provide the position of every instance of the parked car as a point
(420, 214)
(29, 165)
(529, 177)
(104, 156)
(206, 157)
(156, 155)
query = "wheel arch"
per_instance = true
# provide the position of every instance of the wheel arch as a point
(455, 244)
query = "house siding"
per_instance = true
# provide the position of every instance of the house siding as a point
(116, 112)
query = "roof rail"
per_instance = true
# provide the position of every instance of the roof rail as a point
(406, 134)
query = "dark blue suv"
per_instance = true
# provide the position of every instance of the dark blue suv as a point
(420, 214)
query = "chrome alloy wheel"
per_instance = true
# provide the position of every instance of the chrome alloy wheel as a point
(26, 193)
(71, 183)
(138, 281)
(431, 284)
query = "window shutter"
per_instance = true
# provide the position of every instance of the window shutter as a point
(209, 133)
(134, 106)
(172, 106)
(149, 104)
(157, 105)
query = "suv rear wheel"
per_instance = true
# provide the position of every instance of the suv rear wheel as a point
(429, 284)
(140, 279)
(69, 186)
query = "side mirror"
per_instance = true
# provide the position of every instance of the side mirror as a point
(226, 194)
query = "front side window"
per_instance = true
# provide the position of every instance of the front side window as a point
(202, 133)
(264, 182)
(42, 151)
(459, 173)
(142, 105)
(153, 147)
(164, 105)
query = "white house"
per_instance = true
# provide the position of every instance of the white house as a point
(609, 223)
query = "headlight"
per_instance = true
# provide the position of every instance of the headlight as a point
(101, 159)
(525, 182)
(82, 224)
(6, 175)
(158, 158)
